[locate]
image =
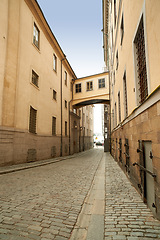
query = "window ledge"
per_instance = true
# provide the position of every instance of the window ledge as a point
(35, 86)
(36, 47)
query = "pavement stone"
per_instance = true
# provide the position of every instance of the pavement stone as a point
(125, 209)
(45, 200)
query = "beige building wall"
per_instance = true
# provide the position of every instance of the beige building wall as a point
(18, 92)
(139, 124)
(96, 92)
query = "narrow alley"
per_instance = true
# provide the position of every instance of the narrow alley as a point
(86, 196)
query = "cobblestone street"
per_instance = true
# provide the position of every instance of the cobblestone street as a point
(126, 216)
(44, 202)
(54, 201)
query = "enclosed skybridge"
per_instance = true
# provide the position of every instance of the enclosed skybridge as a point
(91, 90)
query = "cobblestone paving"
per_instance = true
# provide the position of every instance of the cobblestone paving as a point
(127, 217)
(44, 202)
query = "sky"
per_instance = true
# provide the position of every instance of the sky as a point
(77, 26)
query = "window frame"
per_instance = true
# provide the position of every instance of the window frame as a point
(35, 79)
(140, 94)
(101, 83)
(54, 95)
(35, 31)
(65, 103)
(79, 88)
(54, 62)
(33, 120)
(88, 87)
(66, 128)
(53, 126)
(65, 78)
(122, 29)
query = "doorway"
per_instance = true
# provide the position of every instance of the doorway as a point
(149, 193)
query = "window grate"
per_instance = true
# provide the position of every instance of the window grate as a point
(120, 150)
(125, 95)
(32, 121)
(141, 63)
(127, 165)
(119, 105)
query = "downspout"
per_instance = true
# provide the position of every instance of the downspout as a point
(69, 128)
(70, 118)
(61, 109)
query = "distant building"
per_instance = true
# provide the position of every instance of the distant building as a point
(37, 120)
(132, 55)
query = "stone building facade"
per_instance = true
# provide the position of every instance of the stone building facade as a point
(37, 120)
(132, 55)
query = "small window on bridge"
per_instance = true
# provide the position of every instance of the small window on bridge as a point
(89, 86)
(101, 83)
(78, 87)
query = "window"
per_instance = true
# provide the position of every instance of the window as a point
(54, 95)
(65, 78)
(125, 95)
(54, 63)
(78, 87)
(119, 106)
(114, 78)
(122, 30)
(65, 103)
(117, 61)
(65, 128)
(142, 85)
(35, 78)
(32, 120)
(101, 83)
(53, 126)
(115, 15)
(115, 114)
(89, 86)
(36, 34)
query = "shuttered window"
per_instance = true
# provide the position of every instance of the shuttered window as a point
(32, 121)
(53, 125)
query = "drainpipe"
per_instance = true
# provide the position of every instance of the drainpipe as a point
(69, 128)
(61, 109)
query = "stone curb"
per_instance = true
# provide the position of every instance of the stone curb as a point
(24, 166)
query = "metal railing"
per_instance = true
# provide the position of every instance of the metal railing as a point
(144, 169)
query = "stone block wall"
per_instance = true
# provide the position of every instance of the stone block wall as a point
(144, 127)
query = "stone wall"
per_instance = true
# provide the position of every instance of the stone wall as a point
(144, 127)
